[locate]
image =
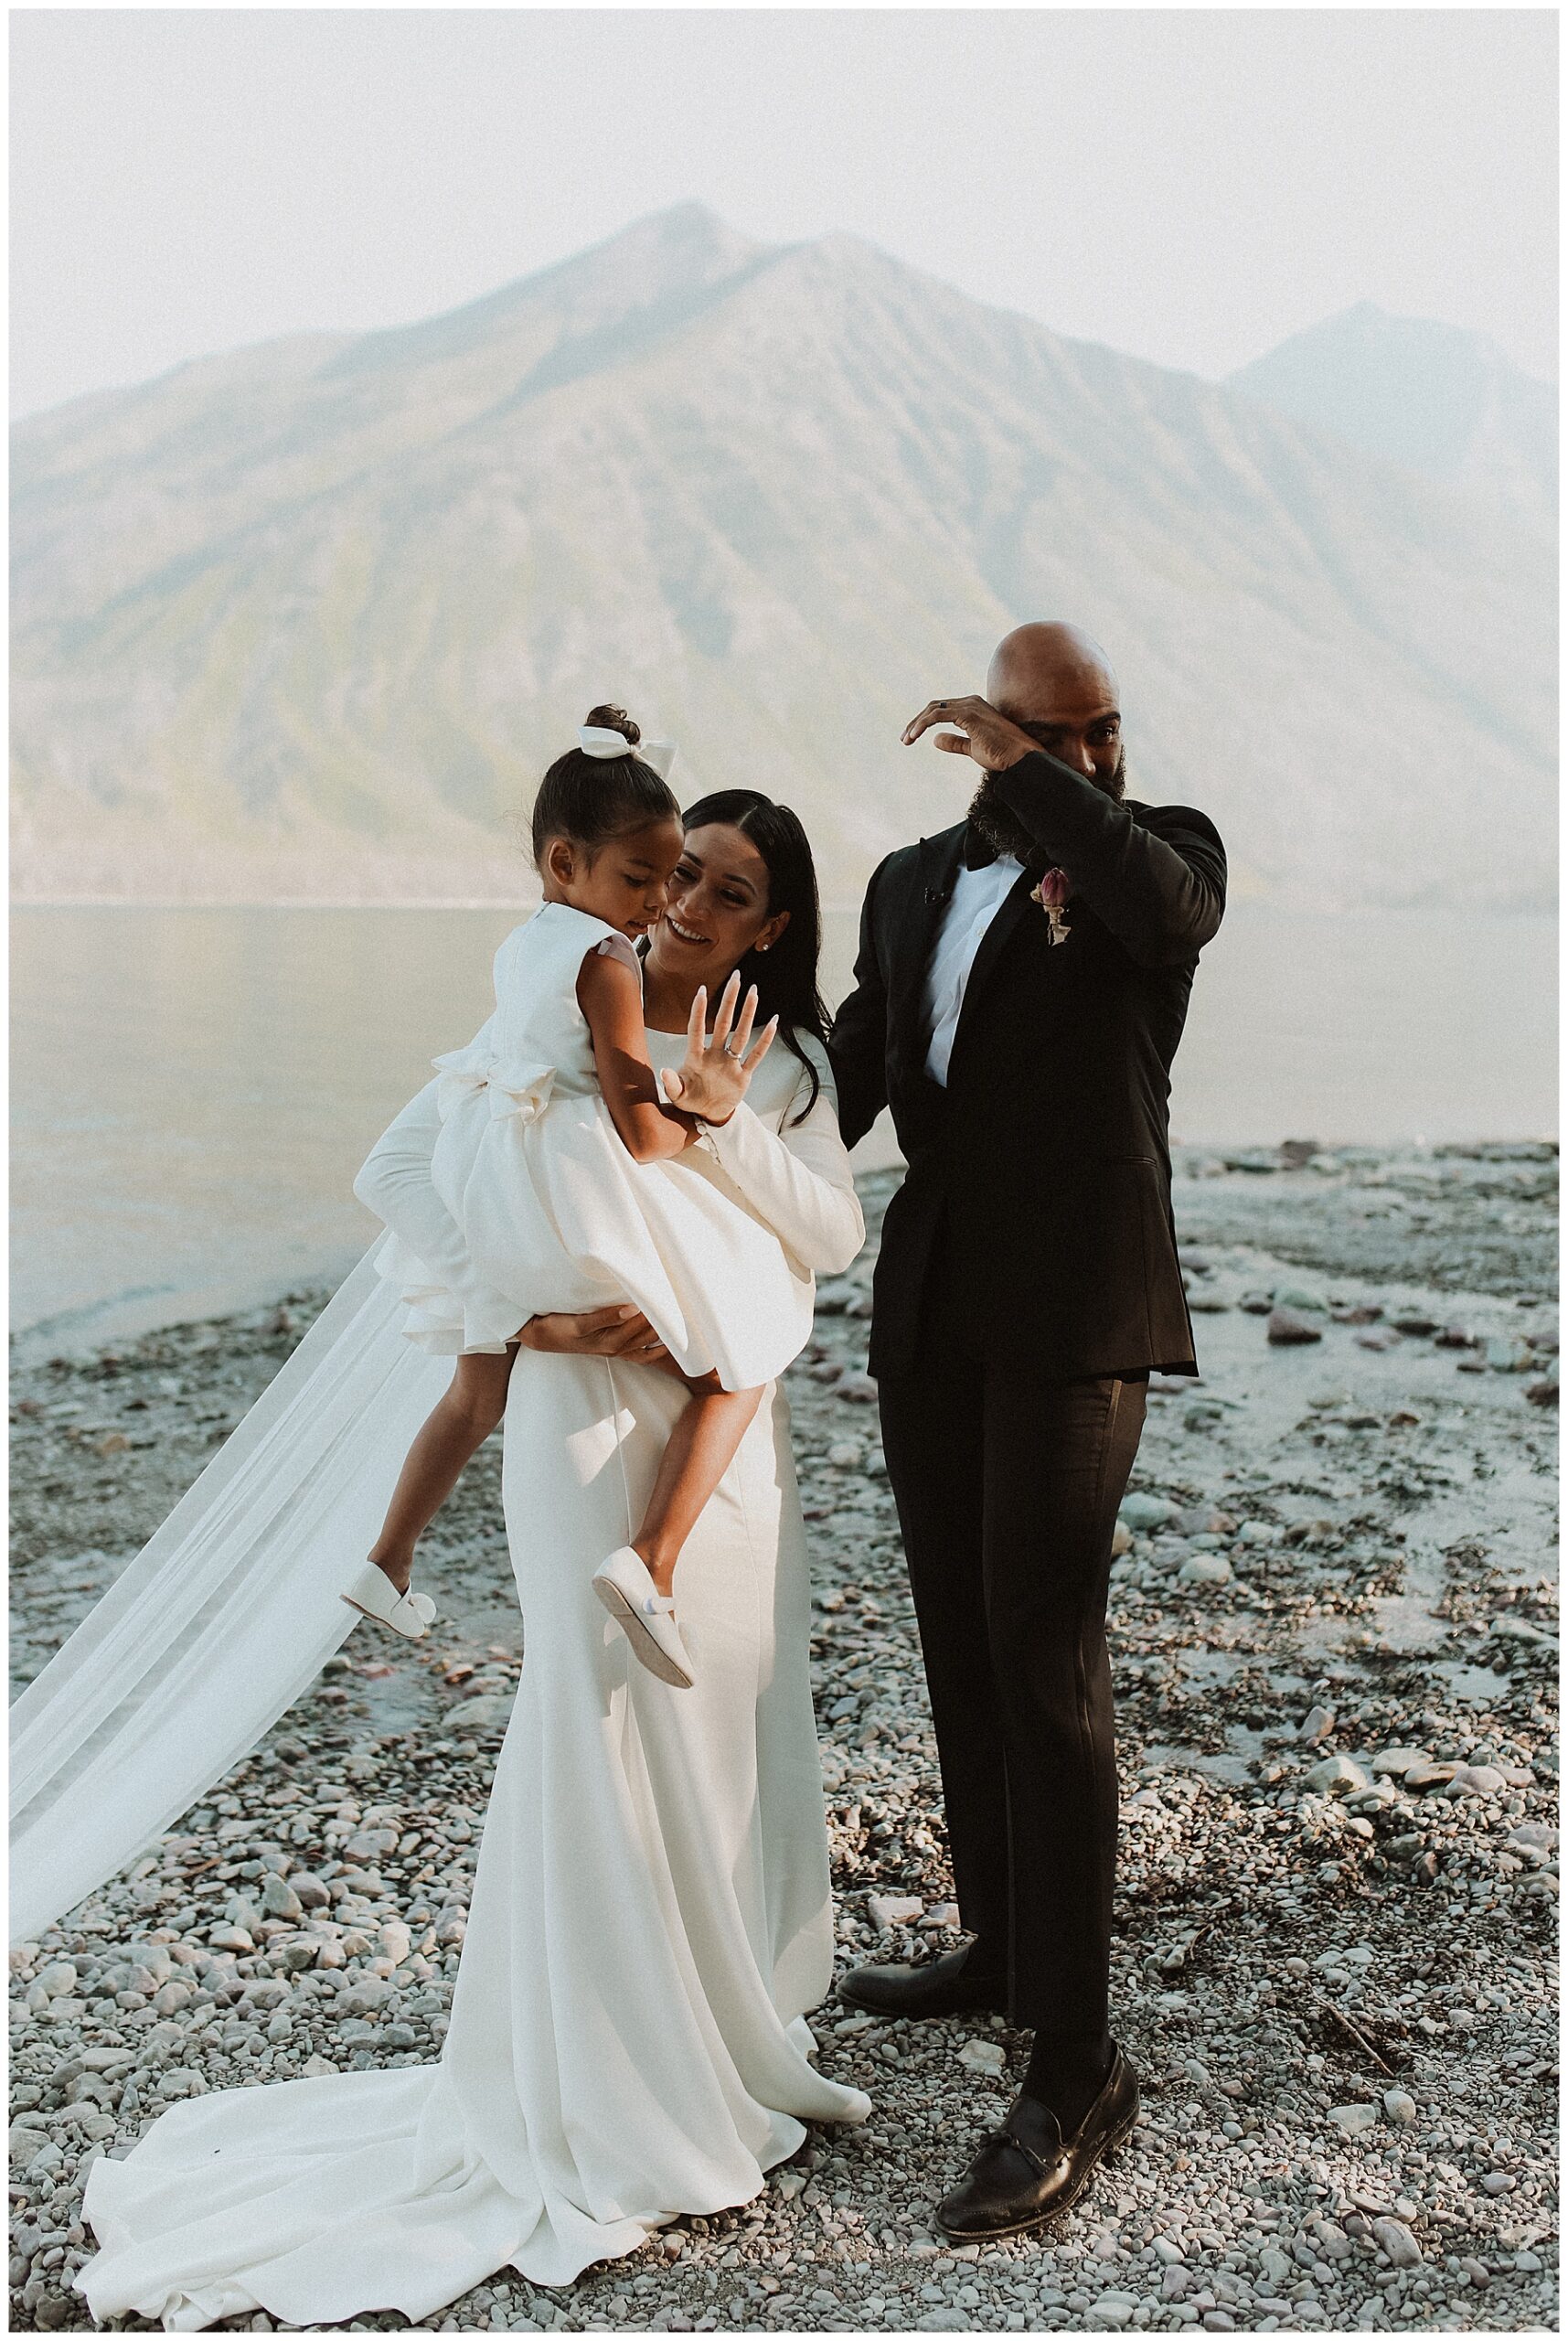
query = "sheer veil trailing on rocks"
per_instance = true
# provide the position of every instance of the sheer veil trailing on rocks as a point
(229, 1611)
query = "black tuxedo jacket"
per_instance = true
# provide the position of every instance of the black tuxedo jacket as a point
(1039, 1178)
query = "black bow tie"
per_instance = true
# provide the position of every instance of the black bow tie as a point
(979, 851)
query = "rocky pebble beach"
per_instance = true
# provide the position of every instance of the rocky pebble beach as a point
(1334, 1633)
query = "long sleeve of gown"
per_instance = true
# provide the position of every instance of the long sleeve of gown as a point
(797, 1177)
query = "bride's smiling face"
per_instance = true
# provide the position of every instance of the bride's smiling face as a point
(716, 907)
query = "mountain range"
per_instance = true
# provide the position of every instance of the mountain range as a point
(1445, 403)
(309, 619)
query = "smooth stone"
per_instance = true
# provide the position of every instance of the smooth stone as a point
(893, 1909)
(1397, 2244)
(1539, 1835)
(1476, 1780)
(858, 1388)
(1204, 1568)
(1352, 2120)
(488, 1711)
(1336, 1775)
(1287, 1330)
(1202, 1520)
(1143, 1512)
(366, 1845)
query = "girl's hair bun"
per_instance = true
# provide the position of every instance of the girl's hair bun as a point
(614, 719)
(590, 799)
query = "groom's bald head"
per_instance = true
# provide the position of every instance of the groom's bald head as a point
(1055, 682)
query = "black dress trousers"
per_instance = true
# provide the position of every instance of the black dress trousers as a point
(1007, 1486)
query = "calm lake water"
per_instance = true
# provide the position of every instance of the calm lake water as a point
(193, 1090)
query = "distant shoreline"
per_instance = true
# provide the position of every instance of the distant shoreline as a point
(132, 1315)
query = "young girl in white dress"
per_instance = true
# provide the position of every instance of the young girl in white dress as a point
(576, 1185)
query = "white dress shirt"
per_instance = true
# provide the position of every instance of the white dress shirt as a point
(977, 895)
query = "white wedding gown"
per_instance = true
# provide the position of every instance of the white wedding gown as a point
(650, 1918)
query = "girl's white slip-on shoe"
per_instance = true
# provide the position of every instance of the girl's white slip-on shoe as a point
(373, 1593)
(645, 1615)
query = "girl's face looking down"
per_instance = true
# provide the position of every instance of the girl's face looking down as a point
(623, 880)
(716, 907)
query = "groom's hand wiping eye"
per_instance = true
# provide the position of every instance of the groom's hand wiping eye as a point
(979, 732)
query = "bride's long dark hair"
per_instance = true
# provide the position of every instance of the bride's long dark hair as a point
(785, 974)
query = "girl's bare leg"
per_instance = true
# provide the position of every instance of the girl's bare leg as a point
(701, 1448)
(460, 1424)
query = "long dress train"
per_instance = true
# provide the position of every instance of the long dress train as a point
(650, 1918)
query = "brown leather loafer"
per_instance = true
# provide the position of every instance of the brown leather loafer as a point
(1027, 2172)
(938, 1987)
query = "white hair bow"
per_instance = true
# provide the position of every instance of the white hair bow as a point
(595, 741)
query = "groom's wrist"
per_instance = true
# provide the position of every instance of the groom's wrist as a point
(1048, 797)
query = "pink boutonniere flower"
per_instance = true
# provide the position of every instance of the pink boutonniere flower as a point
(1052, 895)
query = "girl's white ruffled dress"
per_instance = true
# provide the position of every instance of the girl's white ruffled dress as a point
(555, 1214)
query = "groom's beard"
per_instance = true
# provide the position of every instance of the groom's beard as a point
(1001, 827)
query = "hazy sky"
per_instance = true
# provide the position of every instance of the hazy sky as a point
(1187, 186)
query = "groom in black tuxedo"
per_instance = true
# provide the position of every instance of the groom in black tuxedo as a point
(1028, 1283)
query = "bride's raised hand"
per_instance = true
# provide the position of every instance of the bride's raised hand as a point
(716, 1070)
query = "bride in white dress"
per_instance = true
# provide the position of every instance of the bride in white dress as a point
(650, 1919)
